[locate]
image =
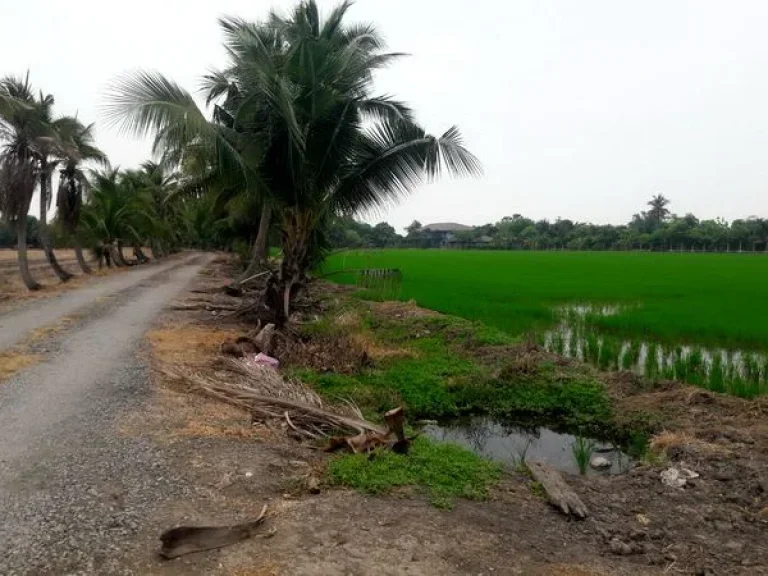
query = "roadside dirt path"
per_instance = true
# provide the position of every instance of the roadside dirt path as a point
(16, 324)
(70, 488)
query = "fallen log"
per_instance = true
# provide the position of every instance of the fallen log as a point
(205, 306)
(187, 539)
(559, 494)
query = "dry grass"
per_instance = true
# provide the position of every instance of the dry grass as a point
(663, 441)
(14, 292)
(376, 351)
(36, 255)
(269, 569)
(568, 570)
(190, 345)
(11, 361)
(171, 415)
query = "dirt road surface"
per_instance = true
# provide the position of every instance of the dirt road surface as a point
(14, 326)
(63, 470)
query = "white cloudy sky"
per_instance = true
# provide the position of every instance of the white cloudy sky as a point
(576, 109)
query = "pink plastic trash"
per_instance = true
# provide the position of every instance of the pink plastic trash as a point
(262, 358)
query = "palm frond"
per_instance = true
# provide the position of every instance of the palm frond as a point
(394, 158)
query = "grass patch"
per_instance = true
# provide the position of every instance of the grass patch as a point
(443, 471)
(12, 361)
(188, 344)
(437, 375)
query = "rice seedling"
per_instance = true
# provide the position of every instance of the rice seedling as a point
(652, 361)
(716, 381)
(700, 300)
(591, 302)
(582, 449)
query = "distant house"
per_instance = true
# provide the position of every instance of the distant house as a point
(444, 233)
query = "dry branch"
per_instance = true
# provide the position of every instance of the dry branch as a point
(559, 494)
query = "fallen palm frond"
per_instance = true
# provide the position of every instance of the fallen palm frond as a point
(268, 396)
(187, 539)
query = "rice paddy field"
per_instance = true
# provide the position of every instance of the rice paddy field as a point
(701, 318)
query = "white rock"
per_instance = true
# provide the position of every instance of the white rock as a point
(600, 462)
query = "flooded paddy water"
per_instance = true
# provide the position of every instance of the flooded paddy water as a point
(735, 371)
(511, 445)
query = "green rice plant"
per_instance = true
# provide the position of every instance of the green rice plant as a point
(582, 449)
(591, 348)
(558, 344)
(751, 369)
(516, 290)
(631, 356)
(573, 344)
(695, 368)
(716, 381)
(737, 386)
(651, 368)
(609, 354)
(765, 372)
(667, 366)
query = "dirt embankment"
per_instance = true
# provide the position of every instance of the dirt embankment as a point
(715, 524)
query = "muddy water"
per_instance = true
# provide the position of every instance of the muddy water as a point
(510, 445)
(734, 371)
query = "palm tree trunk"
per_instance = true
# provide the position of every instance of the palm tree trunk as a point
(21, 237)
(293, 269)
(81, 257)
(139, 254)
(45, 238)
(115, 255)
(119, 257)
(260, 249)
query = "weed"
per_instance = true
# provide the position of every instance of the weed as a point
(444, 471)
(582, 452)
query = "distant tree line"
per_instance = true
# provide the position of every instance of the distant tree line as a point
(656, 229)
(8, 234)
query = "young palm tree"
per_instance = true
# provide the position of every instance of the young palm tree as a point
(78, 147)
(300, 122)
(22, 127)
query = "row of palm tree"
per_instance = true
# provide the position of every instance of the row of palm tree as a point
(292, 135)
(295, 129)
(98, 208)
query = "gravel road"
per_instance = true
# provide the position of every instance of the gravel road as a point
(73, 491)
(16, 324)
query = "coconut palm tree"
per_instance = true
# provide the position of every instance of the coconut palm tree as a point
(78, 147)
(659, 211)
(299, 123)
(22, 126)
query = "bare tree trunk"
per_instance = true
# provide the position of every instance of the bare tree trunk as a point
(81, 258)
(45, 238)
(21, 237)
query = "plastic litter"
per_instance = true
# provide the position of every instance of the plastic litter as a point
(677, 477)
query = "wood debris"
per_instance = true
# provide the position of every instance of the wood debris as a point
(559, 494)
(188, 539)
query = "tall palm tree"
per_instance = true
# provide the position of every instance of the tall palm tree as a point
(300, 121)
(22, 127)
(78, 147)
(659, 211)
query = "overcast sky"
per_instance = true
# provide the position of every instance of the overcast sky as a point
(581, 110)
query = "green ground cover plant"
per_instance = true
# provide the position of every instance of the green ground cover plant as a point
(444, 471)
